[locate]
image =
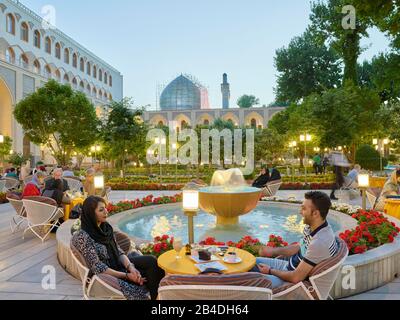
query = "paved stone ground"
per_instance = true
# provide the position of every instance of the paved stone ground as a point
(22, 261)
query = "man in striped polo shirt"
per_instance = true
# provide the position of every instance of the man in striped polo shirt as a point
(297, 261)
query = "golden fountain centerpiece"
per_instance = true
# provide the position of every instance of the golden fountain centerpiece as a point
(228, 197)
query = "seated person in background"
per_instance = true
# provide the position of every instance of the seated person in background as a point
(33, 188)
(262, 180)
(319, 244)
(353, 174)
(39, 167)
(274, 174)
(391, 188)
(57, 175)
(12, 174)
(68, 172)
(88, 184)
(138, 276)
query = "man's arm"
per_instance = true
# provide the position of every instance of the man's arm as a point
(296, 276)
(288, 251)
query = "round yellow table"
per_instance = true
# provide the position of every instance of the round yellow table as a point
(377, 182)
(186, 266)
(69, 207)
(392, 208)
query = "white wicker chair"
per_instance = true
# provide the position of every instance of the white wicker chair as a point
(3, 186)
(197, 292)
(95, 288)
(320, 283)
(20, 217)
(40, 215)
(11, 183)
(272, 188)
(74, 184)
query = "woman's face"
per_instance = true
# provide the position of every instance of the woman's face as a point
(101, 213)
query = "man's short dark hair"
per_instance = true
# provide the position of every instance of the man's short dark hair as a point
(320, 201)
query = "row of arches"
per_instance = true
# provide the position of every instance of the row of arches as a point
(50, 71)
(253, 120)
(53, 47)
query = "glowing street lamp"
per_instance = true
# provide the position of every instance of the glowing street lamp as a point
(190, 208)
(305, 138)
(99, 182)
(1, 138)
(363, 184)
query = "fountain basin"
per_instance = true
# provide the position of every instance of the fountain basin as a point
(228, 204)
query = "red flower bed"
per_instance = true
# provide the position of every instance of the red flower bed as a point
(145, 202)
(304, 186)
(276, 242)
(374, 230)
(160, 246)
(137, 186)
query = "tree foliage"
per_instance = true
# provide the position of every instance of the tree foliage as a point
(58, 117)
(305, 67)
(248, 101)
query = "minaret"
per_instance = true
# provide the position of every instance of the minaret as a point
(226, 92)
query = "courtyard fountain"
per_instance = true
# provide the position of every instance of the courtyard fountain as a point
(228, 197)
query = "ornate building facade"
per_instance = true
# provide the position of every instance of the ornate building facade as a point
(31, 54)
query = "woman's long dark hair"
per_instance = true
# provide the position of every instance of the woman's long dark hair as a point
(103, 234)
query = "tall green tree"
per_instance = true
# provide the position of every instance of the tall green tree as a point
(327, 26)
(5, 149)
(247, 101)
(58, 117)
(269, 145)
(124, 133)
(305, 67)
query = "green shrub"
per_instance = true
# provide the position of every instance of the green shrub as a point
(368, 158)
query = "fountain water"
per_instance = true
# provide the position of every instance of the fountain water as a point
(228, 197)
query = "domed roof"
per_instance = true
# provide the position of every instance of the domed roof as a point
(181, 94)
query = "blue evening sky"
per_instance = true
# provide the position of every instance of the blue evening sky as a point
(153, 41)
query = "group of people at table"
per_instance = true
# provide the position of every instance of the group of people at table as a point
(139, 276)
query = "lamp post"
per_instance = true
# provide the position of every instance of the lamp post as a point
(305, 138)
(99, 182)
(293, 145)
(363, 184)
(1, 138)
(378, 146)
(190, 209)
(150, 154)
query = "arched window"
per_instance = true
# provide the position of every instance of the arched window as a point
(89, 89)
(82, 86)
(105, 78)
(47, 72)
(74, 83)
(10, 24)
(94, 72)
(10, 55)
(36, 66)
(58, 75)
(88, 68)
(183, 124)
(24, 32)
(100, 75)
(110, 82)
(24, 61)
(206, 122)
(105, 96)
(58, 51)
(36, 39)
(66, 56)
(75, 60)
(66, 78)
(47, 45)
(110, 97)
(100, 94)
(82, 65)
(161, 124)
(253, 123)
(95, 92)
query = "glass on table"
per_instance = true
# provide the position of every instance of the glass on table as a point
(178, 246)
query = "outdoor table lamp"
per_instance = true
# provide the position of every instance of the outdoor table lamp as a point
(99, 182)
(363, 184)
(190, 209)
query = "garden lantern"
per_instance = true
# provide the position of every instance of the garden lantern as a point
(190, 209)
(99, 182)
(363, 184)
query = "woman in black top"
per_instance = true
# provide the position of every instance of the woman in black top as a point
(262, 179)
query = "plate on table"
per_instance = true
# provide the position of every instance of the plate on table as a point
(237, 260)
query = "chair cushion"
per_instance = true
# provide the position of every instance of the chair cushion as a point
(123, 241)
(45, 200)
(327, 264)
(245, 280)
(110, 280)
